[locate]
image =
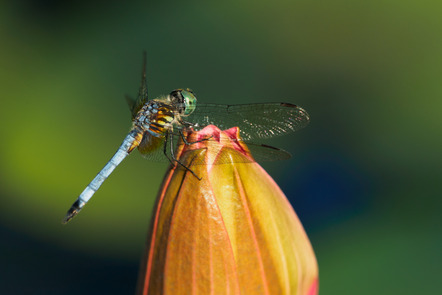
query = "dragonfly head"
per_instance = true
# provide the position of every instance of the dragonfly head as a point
(184, 100)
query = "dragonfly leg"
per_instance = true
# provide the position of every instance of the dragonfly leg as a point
(165, 149)
(187, 142)
(174, 158)
(185, 123)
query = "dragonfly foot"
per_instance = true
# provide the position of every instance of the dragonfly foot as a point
(193, 173)
(188, 169)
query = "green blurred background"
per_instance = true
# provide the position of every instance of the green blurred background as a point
(365, 178)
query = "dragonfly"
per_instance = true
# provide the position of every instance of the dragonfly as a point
(158, 127)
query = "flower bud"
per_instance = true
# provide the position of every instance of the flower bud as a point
(232, 232)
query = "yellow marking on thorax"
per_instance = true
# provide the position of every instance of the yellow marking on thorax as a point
(162, 122)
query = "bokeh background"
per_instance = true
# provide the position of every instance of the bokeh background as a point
(365, 178)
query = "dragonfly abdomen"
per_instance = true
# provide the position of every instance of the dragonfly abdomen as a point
(131, 141)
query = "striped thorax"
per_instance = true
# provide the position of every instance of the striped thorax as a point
(155, 117)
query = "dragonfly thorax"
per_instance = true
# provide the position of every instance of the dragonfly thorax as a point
(155, 117)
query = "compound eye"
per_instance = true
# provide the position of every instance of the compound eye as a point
(189, 101)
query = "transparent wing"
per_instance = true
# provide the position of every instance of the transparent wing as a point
(160, 150)
(267, 153)
(260, 153)
(135, 105)
(256, 121)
